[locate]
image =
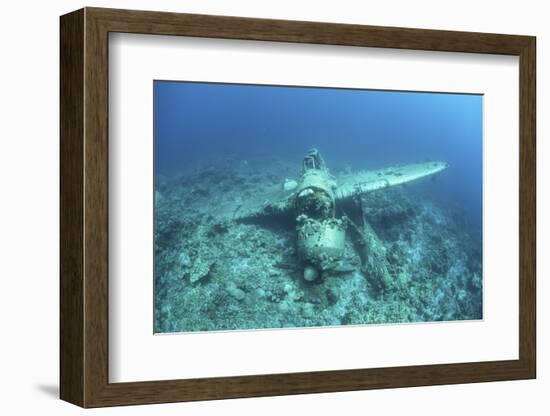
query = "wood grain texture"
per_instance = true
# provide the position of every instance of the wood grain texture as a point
(71, 213)
(527, 208)
(84, 207)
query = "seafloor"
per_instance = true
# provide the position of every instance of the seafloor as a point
(214, 274)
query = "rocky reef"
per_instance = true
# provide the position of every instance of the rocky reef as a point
(414, 260)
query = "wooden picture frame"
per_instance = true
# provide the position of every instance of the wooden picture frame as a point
(84, 207)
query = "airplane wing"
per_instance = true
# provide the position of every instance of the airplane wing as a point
(276, 201)
(368, 181)
(267, 202)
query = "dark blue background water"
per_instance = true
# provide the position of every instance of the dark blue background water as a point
(202, 123)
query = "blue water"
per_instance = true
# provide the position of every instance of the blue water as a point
(198, 123)
(216, 143)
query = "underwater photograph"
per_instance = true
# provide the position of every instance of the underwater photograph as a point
(295, 207)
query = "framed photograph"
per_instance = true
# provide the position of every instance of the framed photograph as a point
(254, 207)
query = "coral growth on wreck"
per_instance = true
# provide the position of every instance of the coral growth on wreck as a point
(415, 261)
